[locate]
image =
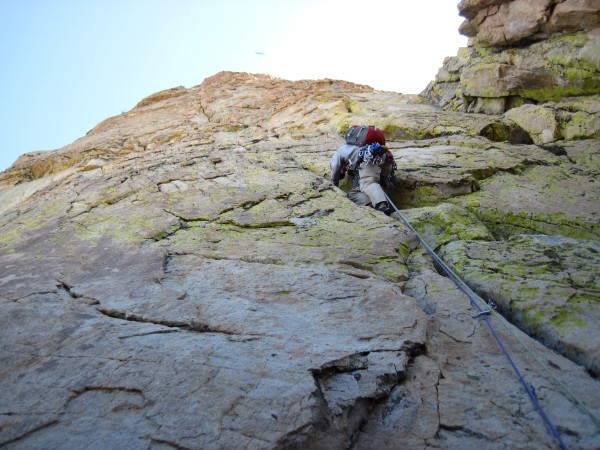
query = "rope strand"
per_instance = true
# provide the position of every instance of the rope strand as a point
(483, 313)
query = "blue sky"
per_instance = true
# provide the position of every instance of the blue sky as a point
(69, 64)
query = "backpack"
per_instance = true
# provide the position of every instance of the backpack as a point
(361, 135)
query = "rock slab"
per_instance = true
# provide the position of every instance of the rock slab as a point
(184, 276)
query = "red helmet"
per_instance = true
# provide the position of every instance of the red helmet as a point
(375, 135)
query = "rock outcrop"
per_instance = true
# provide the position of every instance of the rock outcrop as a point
(185, 276)
(523, 52)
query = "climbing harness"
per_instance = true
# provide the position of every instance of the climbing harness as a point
(476, 302)
(371, 154)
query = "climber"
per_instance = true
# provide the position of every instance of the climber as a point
(365, 157)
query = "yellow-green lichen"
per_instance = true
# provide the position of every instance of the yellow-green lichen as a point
(535, 318)
(567, 321)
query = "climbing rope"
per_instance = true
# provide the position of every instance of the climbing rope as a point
(544, 366)
(483, 312)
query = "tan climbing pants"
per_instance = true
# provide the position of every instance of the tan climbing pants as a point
(370, 175)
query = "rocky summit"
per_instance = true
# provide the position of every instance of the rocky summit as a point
(186, 276)
(522, 52)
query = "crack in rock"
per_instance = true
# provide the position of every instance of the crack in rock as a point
(182, 325)
(346, 390)
(83, 413)
(30, 432)
(148, 334)
(64, 286)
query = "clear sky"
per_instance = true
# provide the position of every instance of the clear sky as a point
(66, 65)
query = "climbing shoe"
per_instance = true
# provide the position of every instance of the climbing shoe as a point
(385, 208)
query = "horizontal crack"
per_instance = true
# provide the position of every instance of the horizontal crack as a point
(163, 442)
(465, 430)
(16, 300)
(166, 234)
(257, 225)
(149, 333)
(180, 325)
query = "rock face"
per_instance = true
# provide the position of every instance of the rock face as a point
(184, 276)
(521, 52)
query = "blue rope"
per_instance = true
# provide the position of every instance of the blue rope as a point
(464, 288)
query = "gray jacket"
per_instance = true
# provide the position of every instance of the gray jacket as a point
(344, 156)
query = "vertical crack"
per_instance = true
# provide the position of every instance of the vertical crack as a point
(66, 287)
(350, 393)
(437, 403)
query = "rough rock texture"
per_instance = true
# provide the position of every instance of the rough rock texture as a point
(548, 285)
(520, 52)
(184, 276)
(572, 118)
(512, 189)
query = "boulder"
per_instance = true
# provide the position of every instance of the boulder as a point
(575, 15)
(470, 8)
(510, 22)
(579, 117)
(539, 122)
(573, 118)
(497, 23)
